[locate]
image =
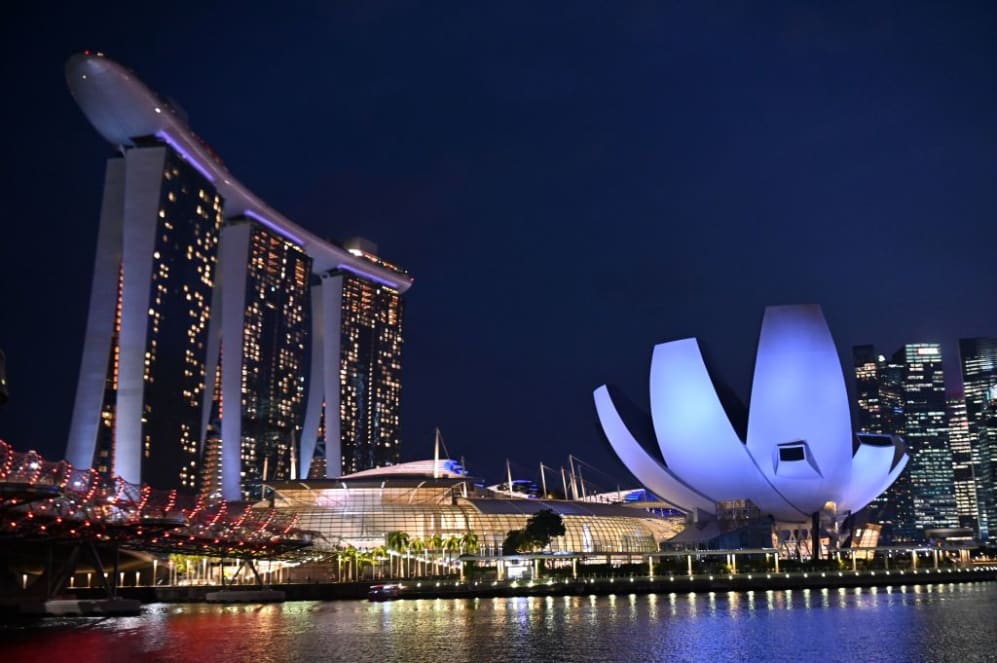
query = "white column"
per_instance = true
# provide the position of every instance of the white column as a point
(332, 306)
(143, 182)
(234, 259)
(323, 383)
(100, 320)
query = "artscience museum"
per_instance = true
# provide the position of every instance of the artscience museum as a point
(790, 454)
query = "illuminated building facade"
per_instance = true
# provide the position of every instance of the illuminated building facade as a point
(793, 455)
(162, 324)
(362, 509)
(926, 433)
(354, 419)
(138, 404)
(260, 337)
(905, 395)
(963, 465)
(879, 396)
(979, 379)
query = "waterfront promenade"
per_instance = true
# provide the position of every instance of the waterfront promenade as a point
(445, 588)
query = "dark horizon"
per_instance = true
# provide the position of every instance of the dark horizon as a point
(568, 186)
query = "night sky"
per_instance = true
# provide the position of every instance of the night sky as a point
(568, 182)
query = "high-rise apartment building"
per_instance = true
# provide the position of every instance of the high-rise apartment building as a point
(206, 304)
(979, 379)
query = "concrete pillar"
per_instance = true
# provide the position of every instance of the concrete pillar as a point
(733, 562)
(935, 552)
(650, 566)
(689, 563)
(913, 559)
(777, 562)
(574, 568)
(854, 563)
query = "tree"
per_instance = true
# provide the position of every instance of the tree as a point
(398, 542)
(516, 541)
(469, 543)
(350, 555)
(435, 545)
(417, 546)
(378, 554)
(543, 526)
(451, 544)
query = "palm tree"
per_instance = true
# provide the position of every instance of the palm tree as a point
(417, 546)
(378, 554)
(398, 542)
(451, 545)
(351, 556)
(366, 557)
(435, 544)
(469, 543)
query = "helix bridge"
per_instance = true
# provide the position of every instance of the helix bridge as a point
(52, 502)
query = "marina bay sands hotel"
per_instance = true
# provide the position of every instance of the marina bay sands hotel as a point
(225, 345)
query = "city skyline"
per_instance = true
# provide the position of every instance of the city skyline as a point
(560, 209)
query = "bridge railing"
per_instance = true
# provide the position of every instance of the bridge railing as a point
(53, 501)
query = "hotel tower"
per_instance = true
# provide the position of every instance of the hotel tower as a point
(225, 345)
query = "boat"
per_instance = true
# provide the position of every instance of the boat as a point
(384, 592)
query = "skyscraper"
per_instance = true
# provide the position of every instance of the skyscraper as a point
(905, 395)
(355, 420)
(259, 342)
(979, 379)
(926, 433)
(138, 400)
(185, 368)
(879, 394)
(964, 467)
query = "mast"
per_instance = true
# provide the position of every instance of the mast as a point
(436, 455)
(543, 479)
(564, 482)
(508, 472)
(294, 458)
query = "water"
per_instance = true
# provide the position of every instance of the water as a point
(954, 622)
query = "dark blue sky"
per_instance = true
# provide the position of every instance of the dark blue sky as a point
(569, 183)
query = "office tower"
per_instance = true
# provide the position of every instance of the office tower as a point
(361, 320)
(138, 401)
(979, 378)
(963, 466)
(880, 397)
(260, 336)
(905, 395)
(926, 433)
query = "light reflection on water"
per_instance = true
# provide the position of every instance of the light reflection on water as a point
(935, 622)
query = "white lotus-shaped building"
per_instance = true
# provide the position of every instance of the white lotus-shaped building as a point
(795, 453)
